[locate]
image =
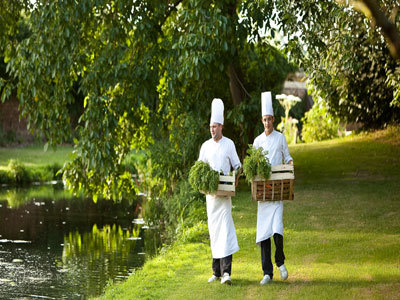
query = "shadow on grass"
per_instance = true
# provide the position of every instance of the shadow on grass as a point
(293, 283)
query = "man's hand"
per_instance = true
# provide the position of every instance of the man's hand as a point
(237, 176)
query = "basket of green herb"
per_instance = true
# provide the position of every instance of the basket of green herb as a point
(268, 183)
(204, 179)
(278, 187)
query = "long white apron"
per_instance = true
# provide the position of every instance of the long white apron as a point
(220, 226)
(270, 213)
(269, 219)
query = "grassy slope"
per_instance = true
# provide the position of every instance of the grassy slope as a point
(342, 233)
(35, 155)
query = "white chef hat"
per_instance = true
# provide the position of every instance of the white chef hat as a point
(217, 111)
(266, 104)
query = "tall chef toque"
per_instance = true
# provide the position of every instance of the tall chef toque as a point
(266, 104)
(217, 111)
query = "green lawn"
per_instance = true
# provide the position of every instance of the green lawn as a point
(342, 233)
(35, 155)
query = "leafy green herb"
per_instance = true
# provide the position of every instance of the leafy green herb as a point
(256, 164)
(203, 178)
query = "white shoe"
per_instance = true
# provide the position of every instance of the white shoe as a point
(226, 278)
(265, 280)
(284, 272)
(213, 278)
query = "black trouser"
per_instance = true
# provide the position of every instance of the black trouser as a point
(222, 265)
(266, 254)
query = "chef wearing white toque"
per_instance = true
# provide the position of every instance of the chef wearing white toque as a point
(270, 213)
(220, 153)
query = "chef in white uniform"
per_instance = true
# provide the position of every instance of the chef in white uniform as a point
(220, 153)
(269, 213)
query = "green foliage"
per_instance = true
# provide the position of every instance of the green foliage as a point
(16, 172)
(393, 81)
(203, 178)
(9, 137)
(176, 213)
(256, 164)
(319, 124)
(133, 62)
(347, 60)
(265, 68)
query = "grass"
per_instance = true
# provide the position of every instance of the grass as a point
(19, 166)
(33, 156)
(341, 233)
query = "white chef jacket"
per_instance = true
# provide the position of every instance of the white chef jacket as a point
(270, 213)
(220, 156)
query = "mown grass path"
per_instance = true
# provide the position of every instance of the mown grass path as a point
(341, 233)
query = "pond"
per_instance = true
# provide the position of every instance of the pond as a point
(55, 246)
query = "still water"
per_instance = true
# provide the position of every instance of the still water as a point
(54, 246)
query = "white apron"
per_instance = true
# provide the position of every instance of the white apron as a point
(270, 213)
(269, 219)
(220, 225)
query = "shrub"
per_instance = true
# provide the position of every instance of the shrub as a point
(319, 124)
(17, 173)
(174, 214)
(54, 171)
(4, 176)
(40, 174)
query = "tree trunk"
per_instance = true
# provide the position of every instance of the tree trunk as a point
(235, 85)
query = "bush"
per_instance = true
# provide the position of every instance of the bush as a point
(4, 176)
(42, 174)
(175, 213)
(54, 171)
(319, 124)
(17, 173)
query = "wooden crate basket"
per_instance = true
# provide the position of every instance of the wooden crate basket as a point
(226, 186)
(277, 188)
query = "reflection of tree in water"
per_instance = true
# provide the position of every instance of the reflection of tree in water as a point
(17, 197)
(108, 252)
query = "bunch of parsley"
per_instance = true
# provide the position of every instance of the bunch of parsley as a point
(256, 164)
(203, 178)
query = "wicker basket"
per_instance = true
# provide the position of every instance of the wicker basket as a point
(277, 188)
(226, 186)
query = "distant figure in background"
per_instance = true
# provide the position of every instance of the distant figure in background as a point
(220, 153)
(270, 213)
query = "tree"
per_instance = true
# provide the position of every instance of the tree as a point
(372, 10)
(148, 70)
(346, 61)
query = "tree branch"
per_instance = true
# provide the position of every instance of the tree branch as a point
(372, 10)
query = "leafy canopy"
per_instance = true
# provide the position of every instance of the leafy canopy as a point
(148, 71)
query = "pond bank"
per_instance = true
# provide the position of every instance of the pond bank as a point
(341, 234)
(23, 166)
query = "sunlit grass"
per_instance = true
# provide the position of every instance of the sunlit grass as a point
(35, 155)
(342, 234)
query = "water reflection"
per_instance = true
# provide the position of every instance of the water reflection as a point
(66, 248)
